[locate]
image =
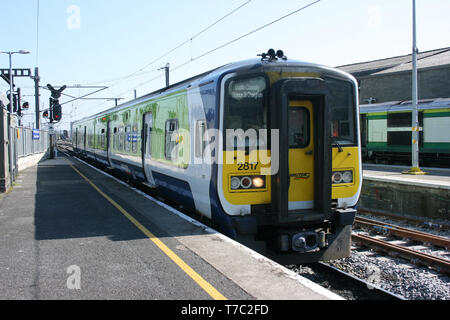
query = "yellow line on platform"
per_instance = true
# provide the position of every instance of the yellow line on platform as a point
(174, 257)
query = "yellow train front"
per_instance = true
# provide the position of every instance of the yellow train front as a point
(289, 174)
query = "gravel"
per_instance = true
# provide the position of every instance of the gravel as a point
(393, 274)
(396, 275)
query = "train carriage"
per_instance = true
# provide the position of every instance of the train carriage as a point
(267, 149)
(386, 132)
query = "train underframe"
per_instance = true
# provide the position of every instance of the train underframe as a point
(312, 238)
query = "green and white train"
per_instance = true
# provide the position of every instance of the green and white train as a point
(386, 132)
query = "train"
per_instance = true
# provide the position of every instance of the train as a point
(268, 150)
(386, 132)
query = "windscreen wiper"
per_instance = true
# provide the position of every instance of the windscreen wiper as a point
(335, 140)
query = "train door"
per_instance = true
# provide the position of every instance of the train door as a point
(147, 148)
(301, 187)
(85, 139)
(76, 139)
(108, 143)
(301, 154)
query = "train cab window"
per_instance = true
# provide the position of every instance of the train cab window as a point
(343, 112)
(245, 109)
(171, 137)
(298, 128)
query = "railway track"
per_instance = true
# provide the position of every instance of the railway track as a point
(404, 232)
(416, 221)
(343, 283)
(416, 257)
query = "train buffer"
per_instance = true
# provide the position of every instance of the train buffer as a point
(68, 231)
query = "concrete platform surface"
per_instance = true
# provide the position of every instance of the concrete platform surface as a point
(435, 178)
(68, 231)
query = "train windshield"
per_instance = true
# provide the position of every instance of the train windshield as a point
(343, 108)
(245, 113)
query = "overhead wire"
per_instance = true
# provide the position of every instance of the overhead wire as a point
(191, 38)
(192, 59)
(231, 41)
(123, 80)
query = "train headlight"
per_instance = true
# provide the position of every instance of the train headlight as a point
(258, 182)
(339, 177)
(235, 183)
(347, 177)
(247, 182)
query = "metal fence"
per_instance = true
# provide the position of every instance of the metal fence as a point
(30, 141)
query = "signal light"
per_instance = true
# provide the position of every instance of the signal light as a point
(57, 112)
(45, 114)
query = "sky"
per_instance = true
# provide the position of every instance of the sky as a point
(122, 44)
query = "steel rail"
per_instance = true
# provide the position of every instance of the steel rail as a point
(440, 264)
(405, 232)
(402, 218)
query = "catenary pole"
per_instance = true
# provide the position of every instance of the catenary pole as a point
(415, 114)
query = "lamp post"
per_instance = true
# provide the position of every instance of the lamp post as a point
(10, 110)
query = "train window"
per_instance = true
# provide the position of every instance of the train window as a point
(100, 138)
(364, 132)
(245, 109)
(120, 139)
(91, 139)
(343, 111)
(134, 139)
(171, 139)
(147, 133)
(298, 128)
(402, 119)
(127, 138)
(115, 139)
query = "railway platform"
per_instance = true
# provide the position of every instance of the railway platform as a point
(386, 189)
(69, 231)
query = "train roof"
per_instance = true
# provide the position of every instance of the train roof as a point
(214, 74)
(393, 106)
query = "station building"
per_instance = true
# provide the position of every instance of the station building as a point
(390, 79)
